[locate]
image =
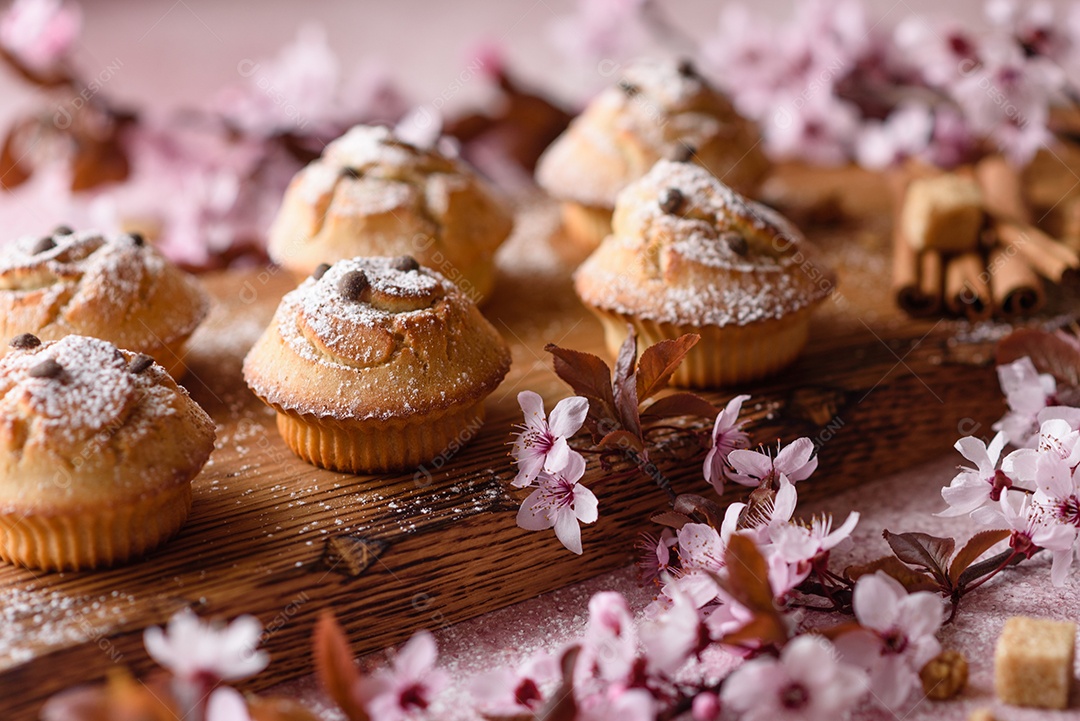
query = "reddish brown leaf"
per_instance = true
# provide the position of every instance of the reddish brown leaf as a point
(976, 546)
(14, 169)
(588, 375)
(561, 705)
(690, 504)
(834, 632)
(671, 519)
(764, 630)
(621, 441)
(924, 551)
(278, 709)
(658, 362)
(98, 162)
(748, 575)
(335, 667)
(908, 577)
(626, 398)
(679, 404)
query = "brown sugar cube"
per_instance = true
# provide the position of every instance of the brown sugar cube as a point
(1033, 662)
(943, 213)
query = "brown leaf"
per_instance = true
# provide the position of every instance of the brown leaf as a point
(621, 441)
(335, 667)
(690, 504)
(14, 170)
(658, 362)
(98, 162)
(924, 551)
(588, 375)
(834, 632)
(671, 519)
(679, 404)
(766, 630)
(278, 709)
(626, 398)
(562, 706)
(908, 577)
(976, 546)
(748, 575)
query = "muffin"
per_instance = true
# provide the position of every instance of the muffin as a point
(657, 110)
(98, 447)
(371, 194)
(689, 255)
(116, 288)
(376, 364)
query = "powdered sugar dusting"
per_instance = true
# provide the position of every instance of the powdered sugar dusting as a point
(712, 257)
(94, 391)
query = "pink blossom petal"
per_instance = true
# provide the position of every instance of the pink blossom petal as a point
(533, 516)
(794, 460)
(568, 416)
(417, 656)
(227, 704)
(532, 405)
(568, 531)
(557, 456)
(585, 504)
(876, 599)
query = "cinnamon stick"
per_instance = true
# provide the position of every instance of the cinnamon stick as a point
(967, 291)
(1050, 258)
(1015, 287)
(915, 291)
(1002, 192)
(916, 276)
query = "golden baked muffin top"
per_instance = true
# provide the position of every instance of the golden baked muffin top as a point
(373, 194)
(83, 422)
(375, 338)
(657, 110)
(687, 249)
(117, 288)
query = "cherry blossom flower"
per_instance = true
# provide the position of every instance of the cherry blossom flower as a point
(635, 704)
(974, 487)
(408, 685)
(542, 445)
(701, 557)
(906, 133)
(40, 33)
(504, 692)
(601, 30)
(820, 130)
(768, 510)
(560, 502)
(1027, 393)
(1058, 496)
(193, 649)
(1032, 529)
(1007, 98)
(655, 557)
(941, 50)
(806, 682)
(898, 636)
(796, 462)
(610, 644)
(1034, 26)
(671, 638)
(799, 545)
(727, 436)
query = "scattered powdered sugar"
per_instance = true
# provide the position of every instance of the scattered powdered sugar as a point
(31, 618)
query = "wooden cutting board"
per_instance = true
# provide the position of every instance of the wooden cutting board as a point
(273, 536)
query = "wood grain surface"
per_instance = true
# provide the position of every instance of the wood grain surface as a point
(273, 536)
